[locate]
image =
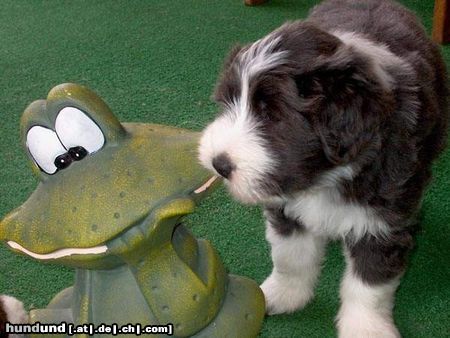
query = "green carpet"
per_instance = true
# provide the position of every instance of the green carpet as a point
(157, 61)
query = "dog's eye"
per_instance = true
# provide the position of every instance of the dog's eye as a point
(263, 108)
(306, 85)
(266, 101)
(267, 110)
(260, 103)
(266, 113)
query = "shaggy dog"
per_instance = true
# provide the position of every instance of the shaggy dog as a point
(332, 124)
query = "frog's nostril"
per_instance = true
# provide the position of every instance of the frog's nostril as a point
(63, 161)
(78, 153)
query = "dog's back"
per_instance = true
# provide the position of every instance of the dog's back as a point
(388, 23)
(382, 21)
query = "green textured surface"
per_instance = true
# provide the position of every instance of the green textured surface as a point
(130, 198)
(157, 61)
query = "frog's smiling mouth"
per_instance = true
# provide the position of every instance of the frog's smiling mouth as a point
(97, 250)
(60, 253)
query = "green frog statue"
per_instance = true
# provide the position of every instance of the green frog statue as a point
(109, 203)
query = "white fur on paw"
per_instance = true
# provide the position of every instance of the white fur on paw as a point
(284, 294)
(365, 324)
(14, 310)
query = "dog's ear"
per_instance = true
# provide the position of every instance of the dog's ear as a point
(347, 105)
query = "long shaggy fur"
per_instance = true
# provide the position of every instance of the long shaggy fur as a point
(332, 124)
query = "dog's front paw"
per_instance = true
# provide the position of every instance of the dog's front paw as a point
(284, 294)
(366, 324)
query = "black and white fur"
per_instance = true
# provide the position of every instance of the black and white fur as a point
(332, 124)
(11, 311)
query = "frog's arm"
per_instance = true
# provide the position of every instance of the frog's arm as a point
(177, 294)
(182, 279)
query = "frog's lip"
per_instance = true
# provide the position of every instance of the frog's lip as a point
(60, 253)
(97, 250)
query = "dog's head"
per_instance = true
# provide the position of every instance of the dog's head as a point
(295, 105)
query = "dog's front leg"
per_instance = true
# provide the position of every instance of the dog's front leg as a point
(374, 268)
(297, 255)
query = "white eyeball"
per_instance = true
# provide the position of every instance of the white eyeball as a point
(45, 147)
(75, 128)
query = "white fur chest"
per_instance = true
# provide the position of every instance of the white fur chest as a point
(324, 212)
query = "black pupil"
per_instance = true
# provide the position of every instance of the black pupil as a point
(63, 161)
(74, 154)
(78, 153)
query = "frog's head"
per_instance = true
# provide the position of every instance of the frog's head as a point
(107, 190)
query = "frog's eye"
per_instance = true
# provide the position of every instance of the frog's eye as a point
(44, 147)
(76, 129)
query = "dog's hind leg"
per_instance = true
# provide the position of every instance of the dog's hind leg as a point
(297, 255)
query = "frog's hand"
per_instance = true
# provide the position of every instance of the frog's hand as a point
(242, 312)
(57, 312)
(60, 317)
(51, 316)
(178, 295)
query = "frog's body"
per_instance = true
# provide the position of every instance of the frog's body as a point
(110, 205)
(161, 294)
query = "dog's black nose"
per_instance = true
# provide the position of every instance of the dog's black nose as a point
(223, 165)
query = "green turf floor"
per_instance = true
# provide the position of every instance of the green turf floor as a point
(157, 61)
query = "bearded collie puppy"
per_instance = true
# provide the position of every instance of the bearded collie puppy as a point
(332, 124)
